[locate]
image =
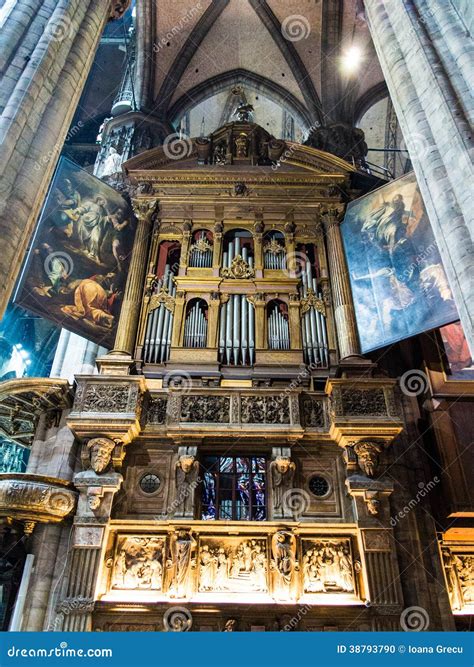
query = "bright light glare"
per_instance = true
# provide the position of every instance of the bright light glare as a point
(351, 59)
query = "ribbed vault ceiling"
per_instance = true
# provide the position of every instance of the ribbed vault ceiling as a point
(287, 50)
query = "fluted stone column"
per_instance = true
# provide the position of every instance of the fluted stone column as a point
(41, 86)
(129, 315)
(424, 51)
(341, 292)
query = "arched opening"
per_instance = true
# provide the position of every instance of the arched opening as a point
(195, 324)
(169, 253)
(159, 326)
(274, 255)
(201, 248)
(278, 327)
(237, 242)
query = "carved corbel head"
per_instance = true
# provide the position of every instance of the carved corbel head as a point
(94, 497)
(185, 462)
(282, 464)
(368, 453)
(99, 451)
(372, 502)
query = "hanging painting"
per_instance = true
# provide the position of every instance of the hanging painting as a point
(77, 265)
(398, 281)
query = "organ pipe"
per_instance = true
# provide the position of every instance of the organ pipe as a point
(278, 329)
(313, 322)
(237, 331)
(200, 255)
(159, 326)
(195, 327)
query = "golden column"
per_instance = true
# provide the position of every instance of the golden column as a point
(295, 320)
(342, 298)
(145, 211)
(185, 243)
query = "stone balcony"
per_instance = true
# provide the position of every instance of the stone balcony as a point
(33, 499)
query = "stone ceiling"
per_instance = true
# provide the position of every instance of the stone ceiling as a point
(287, 51)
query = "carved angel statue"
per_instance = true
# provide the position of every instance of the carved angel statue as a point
(186, 473)
(282, 472)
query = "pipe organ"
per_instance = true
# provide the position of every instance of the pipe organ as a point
(248, 460)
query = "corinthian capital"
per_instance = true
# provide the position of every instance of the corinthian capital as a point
(145, 209)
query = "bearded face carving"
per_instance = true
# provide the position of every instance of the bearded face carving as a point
(368, 456)
(100, 452)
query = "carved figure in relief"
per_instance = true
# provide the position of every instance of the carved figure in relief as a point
(241, 568)
(284, 561)
(465, 569)
(282, 471)
(327, 567)
(180, 563)
(139, 563)
(187, 469)
(452, 580)
(100, 452)
(208, 568)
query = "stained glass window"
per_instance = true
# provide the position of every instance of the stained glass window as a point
(234, 488)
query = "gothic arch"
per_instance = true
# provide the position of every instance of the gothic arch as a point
(256, 82)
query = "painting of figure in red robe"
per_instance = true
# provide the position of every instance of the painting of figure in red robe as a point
(398, 281)
(77, 265)
(459, 364)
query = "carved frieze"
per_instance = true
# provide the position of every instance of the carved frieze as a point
(362, 402)
(211, 409)
(313, 413)
(103, 397)
(265, 409)
(459, 570)
(139, 563)
(327, 566)
(76, 605)
(233, 565)
(279, 563)
(156, 411)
